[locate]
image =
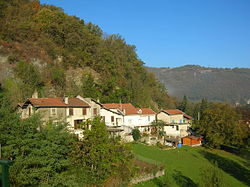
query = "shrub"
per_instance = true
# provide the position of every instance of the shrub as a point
(136, 134)
(212, 177)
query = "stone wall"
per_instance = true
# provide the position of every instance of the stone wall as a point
(147, 177)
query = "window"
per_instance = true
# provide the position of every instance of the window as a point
(112, 118)
(95, 112)
(117, 121)
(172, 126)
(29, 111)
(53, 111)
(180, 121)
(148, 118)
(177, 127)
(77, 124)
(71, 111)
(84, 111)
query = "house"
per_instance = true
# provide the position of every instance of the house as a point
(133, 117)
(111, 117)
(70, 110)
(147, 116)
(177, 122)
(95, 106)
(191, 140)
(113, 120)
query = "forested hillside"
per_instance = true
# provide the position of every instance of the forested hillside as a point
(215, 84)
(44, 49)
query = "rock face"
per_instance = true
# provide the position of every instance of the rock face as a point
(6, 70)
(196, 82)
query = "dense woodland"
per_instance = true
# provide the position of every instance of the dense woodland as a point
(215, 84)
(43, 48)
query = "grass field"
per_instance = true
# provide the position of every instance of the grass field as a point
(183, 165)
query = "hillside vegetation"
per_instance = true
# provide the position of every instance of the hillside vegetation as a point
(44, 49)
(215, 84)
(184, 166)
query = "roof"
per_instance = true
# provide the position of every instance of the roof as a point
(129, 109)
(193, 137)
(20, 104)
(187, 116)
(147, 111)
(173, 111)
(56, 102)
(177, 112)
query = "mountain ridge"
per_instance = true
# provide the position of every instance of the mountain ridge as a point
(196, 82)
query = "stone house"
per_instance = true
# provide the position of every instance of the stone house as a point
(70, 110)
(177, 122)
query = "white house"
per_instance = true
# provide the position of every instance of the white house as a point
(111, 118)
(177, 122)
(133, 117)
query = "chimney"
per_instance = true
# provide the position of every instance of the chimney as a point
(66, 100)
(35, 94)
(124, 111)
(139, 111)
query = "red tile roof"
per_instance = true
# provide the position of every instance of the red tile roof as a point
(173, 111)
(57, 102)
(147, 111)
(187, 116)
(77, 102)
(177, 112)
(128, 108)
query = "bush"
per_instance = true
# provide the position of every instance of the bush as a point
(136, 134)
(212, 177)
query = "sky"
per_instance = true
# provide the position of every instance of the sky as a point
(173, 33)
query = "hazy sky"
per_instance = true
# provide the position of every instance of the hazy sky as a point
(171, 33)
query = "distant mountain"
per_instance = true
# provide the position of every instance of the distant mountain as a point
(216, 84)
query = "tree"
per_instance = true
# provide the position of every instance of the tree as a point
(136, 134)
(220, 125)
(158, 128)
(89, 87)
(184, 104)
(40, 153)
(203, 107)
(98, 157)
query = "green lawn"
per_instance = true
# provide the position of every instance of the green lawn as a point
(183, 165)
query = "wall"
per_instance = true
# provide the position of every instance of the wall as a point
(92, 106)
(138, 120)
(77, 115)
(147, 177)
(178, 118)
(163, 117)
(170, 130)
(60, 114)
(118, 119)
(184, 129)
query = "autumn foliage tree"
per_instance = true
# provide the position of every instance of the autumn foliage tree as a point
(220, 125)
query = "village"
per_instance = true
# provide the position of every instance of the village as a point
(120, 119)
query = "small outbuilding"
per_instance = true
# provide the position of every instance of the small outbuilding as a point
(191, 140)
(171, 141)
